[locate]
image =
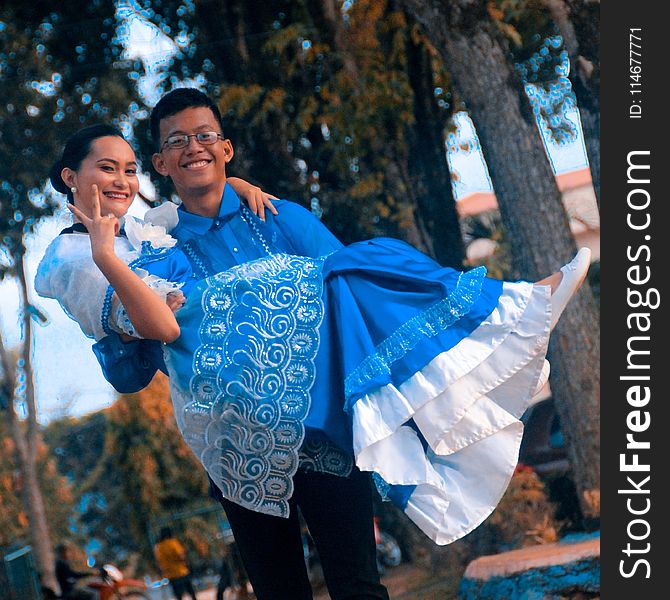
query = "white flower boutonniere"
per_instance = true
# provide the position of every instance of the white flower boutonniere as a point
(166, 215)
(147, 238)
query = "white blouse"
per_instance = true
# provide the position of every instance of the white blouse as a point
(68, 274)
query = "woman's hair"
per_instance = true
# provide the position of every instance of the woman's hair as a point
(77, 148)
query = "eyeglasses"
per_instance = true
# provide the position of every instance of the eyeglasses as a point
(180, 140)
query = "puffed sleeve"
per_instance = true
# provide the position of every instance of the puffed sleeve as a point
(68, 274)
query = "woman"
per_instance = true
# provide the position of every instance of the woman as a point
(422, 372)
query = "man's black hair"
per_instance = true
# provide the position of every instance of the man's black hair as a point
(174, 102)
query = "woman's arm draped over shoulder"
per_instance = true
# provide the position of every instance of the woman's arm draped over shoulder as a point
(254, 196)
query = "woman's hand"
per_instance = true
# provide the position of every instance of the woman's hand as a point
(101, 229)
(254, 196)
(175, 300)
(152, 317)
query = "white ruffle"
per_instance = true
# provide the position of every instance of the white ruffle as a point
(68, 274)
(466, 402)
(119, 320)
(165, 215)
(139, 232)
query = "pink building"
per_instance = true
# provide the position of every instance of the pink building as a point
(580, 204)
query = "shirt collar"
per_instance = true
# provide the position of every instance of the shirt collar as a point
(230, 205)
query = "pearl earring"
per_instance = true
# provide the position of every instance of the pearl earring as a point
(73, 190)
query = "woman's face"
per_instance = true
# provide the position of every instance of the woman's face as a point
(111, 165)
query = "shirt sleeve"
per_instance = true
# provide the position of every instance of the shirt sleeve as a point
(306, 235)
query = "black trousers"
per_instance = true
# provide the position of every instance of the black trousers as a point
(338, 512)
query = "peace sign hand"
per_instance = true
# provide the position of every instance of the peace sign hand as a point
(101, 229)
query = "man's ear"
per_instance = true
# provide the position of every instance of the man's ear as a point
(159, 164)
(69, 177)
(228, 151)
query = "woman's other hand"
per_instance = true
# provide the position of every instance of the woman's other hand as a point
(255, 197)
(102, 229)
(175, 300)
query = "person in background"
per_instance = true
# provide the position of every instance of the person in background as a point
(172, 561)
(67, 577)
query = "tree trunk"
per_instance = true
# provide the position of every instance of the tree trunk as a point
(430, 179)
(26, 437)
(578, 21)
(532, 211)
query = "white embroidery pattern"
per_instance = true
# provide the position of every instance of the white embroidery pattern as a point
(253, 372)
(325, 457)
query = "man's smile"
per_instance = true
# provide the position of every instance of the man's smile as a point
(197, 164)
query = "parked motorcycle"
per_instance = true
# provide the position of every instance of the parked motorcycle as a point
(111, 584)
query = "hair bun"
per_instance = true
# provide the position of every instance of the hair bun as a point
(56, 179)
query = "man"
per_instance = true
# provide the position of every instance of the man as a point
(334, 497)
(171, 558)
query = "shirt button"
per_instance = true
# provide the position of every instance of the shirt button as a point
(235, 249)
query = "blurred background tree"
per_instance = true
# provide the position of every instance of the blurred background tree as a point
(130, 466)
(55, 487)
(58, 71)
(346, 113)
(473, 38)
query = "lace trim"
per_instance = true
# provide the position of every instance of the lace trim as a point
(197, 260)
(140, 261)
(253, 372)
(325, 457)
(383, 488)
(247, 217)
(429, 323)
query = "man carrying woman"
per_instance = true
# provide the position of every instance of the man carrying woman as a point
(293, 357)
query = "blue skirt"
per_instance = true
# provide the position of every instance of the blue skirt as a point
(420, 371)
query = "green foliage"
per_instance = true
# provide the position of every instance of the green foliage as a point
(130, 466)
(56, 489)
(322, 108)
(56, 75)
(539, 58)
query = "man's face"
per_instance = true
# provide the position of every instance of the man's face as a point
(197, 168)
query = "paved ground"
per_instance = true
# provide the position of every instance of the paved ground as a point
(408, 582)
(405, 582)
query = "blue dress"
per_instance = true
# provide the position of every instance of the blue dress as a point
(420, 371)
